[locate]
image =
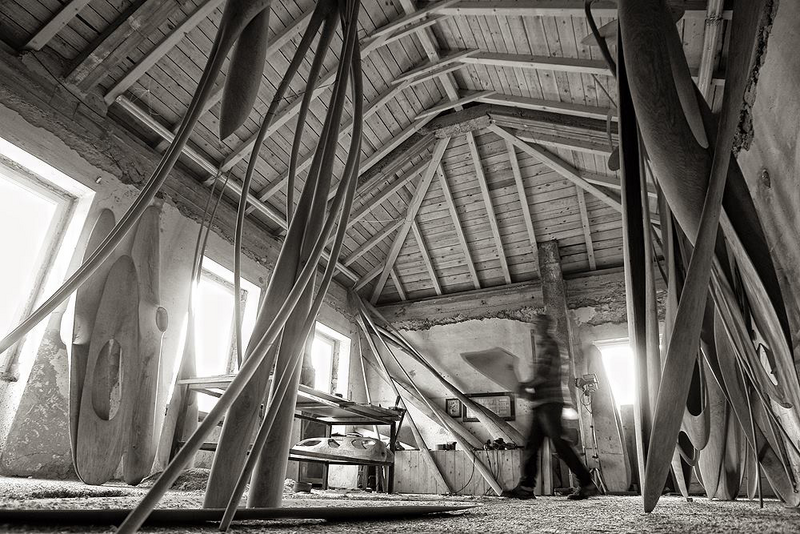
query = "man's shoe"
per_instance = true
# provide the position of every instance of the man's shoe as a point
(520, 492)
(584, 492)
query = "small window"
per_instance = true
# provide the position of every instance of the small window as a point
(214, 324)
(330, 358)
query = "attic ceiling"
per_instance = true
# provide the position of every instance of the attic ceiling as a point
(488, 125)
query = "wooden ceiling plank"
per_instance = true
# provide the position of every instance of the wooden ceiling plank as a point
(554, 8)
(557, 164)
(411, 213)
(398, 285)
(523, 199)
(487, 200)
(426, 257)
(708, 60)
(587, 229)
(450, 104)
(550, 106)
(367, 278)
(43, 35)
(462, 238)
(372, 241)
(114, 43)
(163, 47)
(558, 141)
(612, 182)
(412, 18)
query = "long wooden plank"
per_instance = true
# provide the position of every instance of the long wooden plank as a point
(426, 257)
(372, 241)
(111, 46)
(43, 35)
(398, 285)
(560, 141)
(524, 61)
(555, 8)
(462, 238)
(487, 200)
(523, 200)
(412, 18)
(587, 229)
(557, 164)
(431, 66)
(550, 106)
(466, 99)
(162, 48)
(411, 213)
(386, 193)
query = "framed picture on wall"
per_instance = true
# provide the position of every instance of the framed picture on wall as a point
(453, 407)
(501, 403)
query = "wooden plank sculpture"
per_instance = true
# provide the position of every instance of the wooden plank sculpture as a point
(153, 322)
(109, 395)
(697, 182)
(87, 300)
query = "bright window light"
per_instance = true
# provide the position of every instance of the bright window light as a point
(26, 217)
(322, 352)
(618, 362)
(330, 357)
(215, 342)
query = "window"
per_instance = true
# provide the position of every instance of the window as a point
(214, 324)
(41, 214)
(330, 358)
(618, 362)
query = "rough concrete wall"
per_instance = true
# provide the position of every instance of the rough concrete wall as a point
(41, 119)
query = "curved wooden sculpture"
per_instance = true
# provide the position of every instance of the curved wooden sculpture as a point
(87, 300)
(108, 395)
(710, 461)
(153, 322)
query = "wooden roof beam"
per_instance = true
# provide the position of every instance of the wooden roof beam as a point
(453, 56)
(557, 164)
(469, 97)
(548, 106)
(555, 8)
(462, 239)
(370, 243)
(587, 229)
(414, 17)
(397, 284)
(426, 257)
(44, 34)
(386, 193)
(123, 35)
(523, 200)
(411, 213)
(487, 200)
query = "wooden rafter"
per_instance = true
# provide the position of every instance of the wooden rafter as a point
(383, 195)
(369, 277)
(523, 200)
(558, 141)
(551, 8)
(111, 47)
(487, 200)
(163, 47)
(397, 284)
(713, 32)
(305, 161)
(411, 213)
(557, 164)
(455, 56)
(426, 257)
(462, 238)
(412, 18)
(43, 35)
(470, 96)
(587, 229)
(612, 182)
(370, 243)
(549, 106)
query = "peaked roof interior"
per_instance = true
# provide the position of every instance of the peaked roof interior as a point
(441, 79)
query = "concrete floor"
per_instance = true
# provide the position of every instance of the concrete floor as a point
(491, 514)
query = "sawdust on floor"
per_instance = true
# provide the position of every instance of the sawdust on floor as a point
(491, 514)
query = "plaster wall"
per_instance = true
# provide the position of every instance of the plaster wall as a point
(34, 426)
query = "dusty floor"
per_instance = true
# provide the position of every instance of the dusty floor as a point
(549, 514)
